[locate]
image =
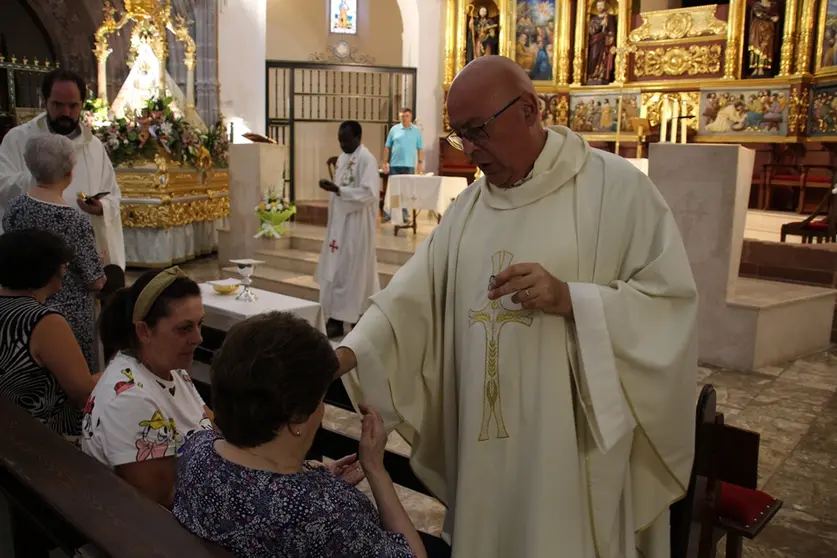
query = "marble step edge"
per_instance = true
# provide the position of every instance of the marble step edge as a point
(309, 242)
(777, 294)
(306, 261)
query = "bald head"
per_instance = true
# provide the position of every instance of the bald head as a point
(492, 75)
(505, 149)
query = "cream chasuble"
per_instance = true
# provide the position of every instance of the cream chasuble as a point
(543, 436)
(92, 174)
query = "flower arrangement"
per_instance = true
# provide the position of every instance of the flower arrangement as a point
(273, 212)
(158, 126)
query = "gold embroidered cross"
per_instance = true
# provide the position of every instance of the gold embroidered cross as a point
(493, 316)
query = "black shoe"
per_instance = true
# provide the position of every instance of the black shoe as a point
(334, 328)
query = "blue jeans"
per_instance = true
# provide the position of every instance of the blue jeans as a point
(400, 170)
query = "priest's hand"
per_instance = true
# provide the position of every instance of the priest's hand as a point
(91, 206)
(347, 359)
(329, 186)
(534, 288)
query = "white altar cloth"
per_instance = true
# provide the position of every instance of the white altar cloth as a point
(224, 311)
(421, 192)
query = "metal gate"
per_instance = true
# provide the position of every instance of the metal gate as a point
(20, 99)
(300, 93)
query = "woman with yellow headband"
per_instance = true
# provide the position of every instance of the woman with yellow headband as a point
(145, 405)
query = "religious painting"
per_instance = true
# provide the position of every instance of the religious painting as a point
(483, 34)
(763, 31)
(826, 61)
(554, 109)
(740, 112)
(598, 113)
(343, 17)
(601, 40)
(822, 111)
(534, 48)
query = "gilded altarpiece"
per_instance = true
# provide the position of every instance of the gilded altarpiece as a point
(751, 71)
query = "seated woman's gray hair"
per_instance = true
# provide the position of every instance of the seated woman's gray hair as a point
(49, 157)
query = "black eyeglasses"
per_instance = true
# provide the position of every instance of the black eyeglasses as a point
(477, 135)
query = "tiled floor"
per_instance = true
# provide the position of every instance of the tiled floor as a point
(793, 406)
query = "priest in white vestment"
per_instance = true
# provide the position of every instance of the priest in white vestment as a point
(93, 173)
(347, 270)
(539, 350)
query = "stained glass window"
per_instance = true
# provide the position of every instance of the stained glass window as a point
(343, 16)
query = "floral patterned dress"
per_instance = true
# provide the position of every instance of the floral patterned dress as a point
(74, 301)
(260, 514)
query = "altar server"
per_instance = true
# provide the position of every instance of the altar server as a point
(538, 352)
(347, 271)
(93, 174)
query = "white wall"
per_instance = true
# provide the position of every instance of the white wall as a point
(242, 43)
(424, 48)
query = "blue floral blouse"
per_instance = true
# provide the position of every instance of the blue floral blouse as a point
(263, 514)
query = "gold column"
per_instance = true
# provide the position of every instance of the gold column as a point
(788, 39)
(580, 35)
(806, 31)
(460, 36)
(624, 22)
(735, 28)
(450, 40)
(564, 34)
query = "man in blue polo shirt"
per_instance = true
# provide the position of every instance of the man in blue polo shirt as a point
(403, 151)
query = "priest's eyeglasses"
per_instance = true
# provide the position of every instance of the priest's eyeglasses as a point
(477, 135)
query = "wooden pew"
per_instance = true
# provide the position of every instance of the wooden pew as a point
(60, 497)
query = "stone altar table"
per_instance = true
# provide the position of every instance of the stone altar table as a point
(742, 323)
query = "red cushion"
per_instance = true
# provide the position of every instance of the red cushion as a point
(787, 176)
(743, 505)
(825, 179)
(817, 225)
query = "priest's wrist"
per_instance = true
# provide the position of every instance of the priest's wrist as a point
(564, 308)
(347, 360)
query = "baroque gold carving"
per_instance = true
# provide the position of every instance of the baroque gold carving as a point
(563, 110)
(679, 24)
(676, 61)
(798, 110)
(173, 214)
(689, 102)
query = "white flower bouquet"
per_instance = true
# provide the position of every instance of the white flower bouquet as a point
(273, 212)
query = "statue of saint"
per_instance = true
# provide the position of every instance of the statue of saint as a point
(601, 31)
(764, 19)
(483, 33)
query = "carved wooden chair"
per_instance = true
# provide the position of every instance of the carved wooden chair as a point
(812, 229)
(820, 177)
(778, 175)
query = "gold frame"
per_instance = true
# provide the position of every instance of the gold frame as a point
(561, 44)
(623, 22)
(819, 70)
(455, 27)
(459, 25)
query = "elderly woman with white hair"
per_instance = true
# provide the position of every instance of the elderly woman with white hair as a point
(50, 158)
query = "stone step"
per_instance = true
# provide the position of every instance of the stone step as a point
(305, 262)
(308, 242)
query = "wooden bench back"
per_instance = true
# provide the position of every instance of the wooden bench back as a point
(76, 500)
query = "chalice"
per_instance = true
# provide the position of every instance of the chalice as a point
(245, 269)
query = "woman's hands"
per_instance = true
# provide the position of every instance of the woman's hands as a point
(348, 469)
(373, 441)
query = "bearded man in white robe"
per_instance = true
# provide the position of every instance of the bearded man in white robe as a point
(539, 350)
(93, 174)
(347, 269)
